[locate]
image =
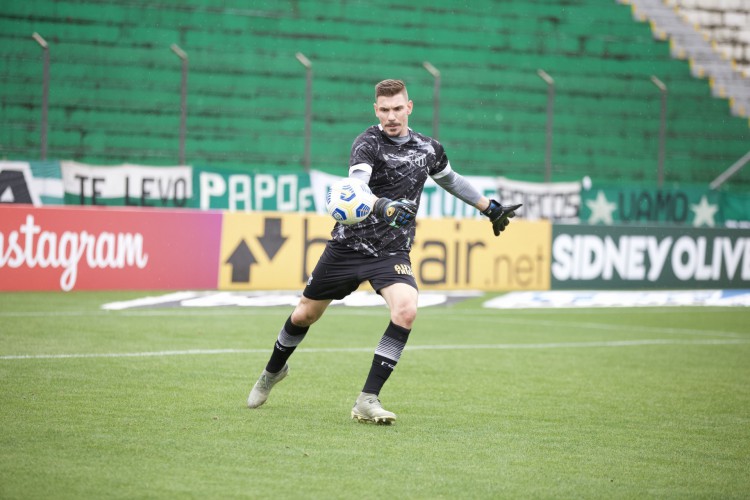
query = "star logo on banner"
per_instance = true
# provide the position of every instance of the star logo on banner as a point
(704, 213)
(601, 209)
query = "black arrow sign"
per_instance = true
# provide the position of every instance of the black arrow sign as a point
(272, 240)
(14, 181)
(241, 260)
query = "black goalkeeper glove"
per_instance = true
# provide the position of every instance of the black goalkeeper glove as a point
(499, 215)
(396, 213)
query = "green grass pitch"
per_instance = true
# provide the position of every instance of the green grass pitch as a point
(594, 403)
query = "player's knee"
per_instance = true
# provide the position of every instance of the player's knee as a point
(404, 315)
(308, 311)
(303, 318)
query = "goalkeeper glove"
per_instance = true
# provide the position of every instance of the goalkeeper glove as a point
(499, 215)
(396, 213)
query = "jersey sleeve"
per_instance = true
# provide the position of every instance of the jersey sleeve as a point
(363, 153)
(441, 161)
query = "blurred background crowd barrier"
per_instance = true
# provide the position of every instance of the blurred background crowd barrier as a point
(589, 112)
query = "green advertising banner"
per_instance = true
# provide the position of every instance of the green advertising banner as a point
(736, 209)
(622, 257)
(695, 206)
(223, 189)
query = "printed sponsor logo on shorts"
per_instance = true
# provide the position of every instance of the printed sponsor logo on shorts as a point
(403, 269)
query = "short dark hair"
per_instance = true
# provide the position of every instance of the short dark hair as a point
(389, 88)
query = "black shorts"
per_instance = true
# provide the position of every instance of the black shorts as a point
(341, 270)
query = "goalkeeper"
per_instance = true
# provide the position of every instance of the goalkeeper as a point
(395, 161)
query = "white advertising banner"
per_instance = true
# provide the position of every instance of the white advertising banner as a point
(555, 201)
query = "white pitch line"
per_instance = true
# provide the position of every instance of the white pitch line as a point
(553, 345)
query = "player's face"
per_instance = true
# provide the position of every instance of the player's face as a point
(393, 113)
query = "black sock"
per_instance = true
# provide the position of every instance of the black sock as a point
(289, 338)
(387, 354)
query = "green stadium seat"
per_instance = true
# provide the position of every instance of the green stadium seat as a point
(115, 85)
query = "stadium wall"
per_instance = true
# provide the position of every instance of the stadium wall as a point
(107, 248)
(115, 94)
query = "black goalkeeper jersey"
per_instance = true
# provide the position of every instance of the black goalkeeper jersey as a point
(398, 171)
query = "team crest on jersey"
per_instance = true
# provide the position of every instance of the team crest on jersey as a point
(419, 160)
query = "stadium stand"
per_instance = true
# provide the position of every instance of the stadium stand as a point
(726, 23)
(706, 60)
(115, 85)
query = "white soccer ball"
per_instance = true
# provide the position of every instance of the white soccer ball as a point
(349, 201)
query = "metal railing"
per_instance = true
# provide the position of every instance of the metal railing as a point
(183, 100)
(45, 93)
(306, 158)
(436, 104)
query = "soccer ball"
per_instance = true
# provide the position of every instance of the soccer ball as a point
(349, 201)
